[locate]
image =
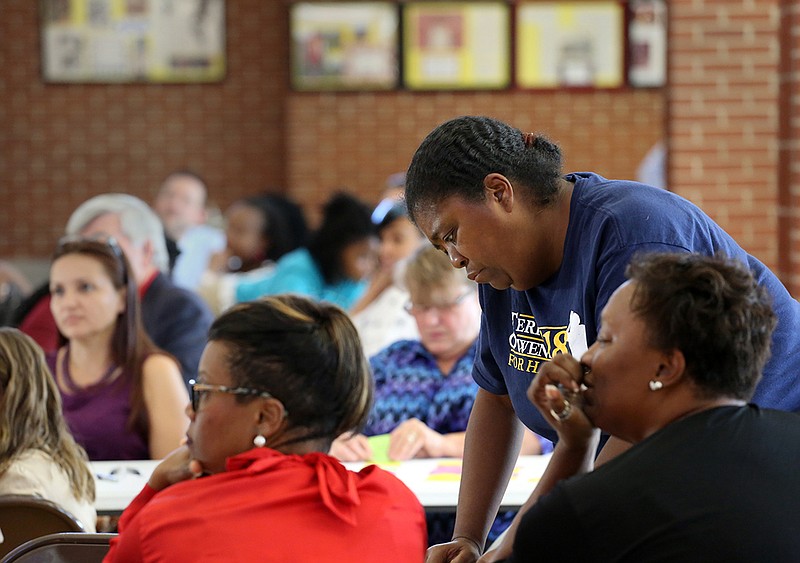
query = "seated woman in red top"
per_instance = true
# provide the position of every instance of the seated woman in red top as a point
(280, 378)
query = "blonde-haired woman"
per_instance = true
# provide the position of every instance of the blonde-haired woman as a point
(38, 455)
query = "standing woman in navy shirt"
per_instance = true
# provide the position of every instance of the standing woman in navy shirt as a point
(548, 251)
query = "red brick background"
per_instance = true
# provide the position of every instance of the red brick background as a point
(789, 146)
(358, 139)
(733, 144)
(732, 115)
(60, 144)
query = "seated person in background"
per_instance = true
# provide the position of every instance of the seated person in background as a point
(123, 398)
(181, 206)
(395, 186)
(379, 315)
(280, 378)
(424, 389)
(175, 319)
(334, 267)
(38, 456)
(14, 288)
(681, 347)
(259, 230)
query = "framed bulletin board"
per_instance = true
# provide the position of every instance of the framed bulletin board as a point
(647, 43)
(133, 40)
(344, 45)
(570, 44)
(456, 45)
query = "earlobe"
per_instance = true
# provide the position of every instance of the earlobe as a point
(499, 189)
(270, 416)
(673, 368)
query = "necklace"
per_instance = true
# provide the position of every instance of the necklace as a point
(72, 386)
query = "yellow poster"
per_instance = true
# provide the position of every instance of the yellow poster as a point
(133, 40)
(569, 44)
(456, 45)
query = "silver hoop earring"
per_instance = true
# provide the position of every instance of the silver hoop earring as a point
(259, 441)
(655, 385)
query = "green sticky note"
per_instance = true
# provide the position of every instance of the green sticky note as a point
(380, 448)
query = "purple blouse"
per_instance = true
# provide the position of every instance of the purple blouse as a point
(97, 416)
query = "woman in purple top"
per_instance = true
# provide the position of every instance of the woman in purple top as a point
(123, 398)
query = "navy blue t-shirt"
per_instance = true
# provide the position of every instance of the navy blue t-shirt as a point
(610, 221)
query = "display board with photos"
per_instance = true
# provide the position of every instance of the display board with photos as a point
(133, 40)
(570, 44)
(456, 45)
(344, 45)
(433, 45)
(647, 43)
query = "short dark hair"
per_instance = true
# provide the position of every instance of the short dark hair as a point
(285, 227)
(345, 220)
(456, 156)
(305, 353)
(712, 309)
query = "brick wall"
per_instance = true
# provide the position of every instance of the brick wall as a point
(722, 115)
(357, 140)
(789, 146)
(60, 144)
(731, 143)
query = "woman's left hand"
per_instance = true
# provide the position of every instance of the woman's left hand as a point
(176, 467)
(563, 411)
(413, 438)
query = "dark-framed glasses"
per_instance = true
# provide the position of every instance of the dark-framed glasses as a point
(199, 390)
(419, 309)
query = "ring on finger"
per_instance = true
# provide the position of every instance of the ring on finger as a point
(564, 413)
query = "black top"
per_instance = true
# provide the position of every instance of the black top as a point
(720, 485)
(177, 321)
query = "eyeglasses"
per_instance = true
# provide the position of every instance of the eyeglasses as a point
(199, 390)
(416, 309)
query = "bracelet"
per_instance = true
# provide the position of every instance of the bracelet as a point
(469, 539)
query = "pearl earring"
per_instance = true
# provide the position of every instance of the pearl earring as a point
(655, 385)
(259, 441)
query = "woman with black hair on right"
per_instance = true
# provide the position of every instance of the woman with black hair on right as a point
(334, 267)
(710, 477)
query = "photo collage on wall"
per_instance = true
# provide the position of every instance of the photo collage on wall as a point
(480, 44)
(133, 40)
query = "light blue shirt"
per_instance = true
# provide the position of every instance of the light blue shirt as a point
(196, 246)
(296, 272)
